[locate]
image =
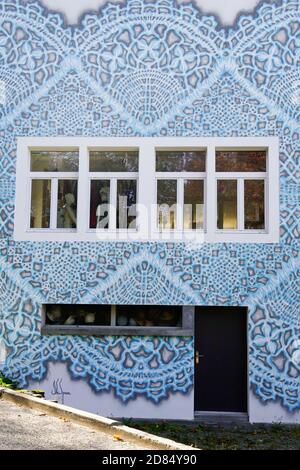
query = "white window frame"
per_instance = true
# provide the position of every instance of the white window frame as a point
(54, 178)
(180, 178)
(240, 179)
(146, 187)
(113, 177)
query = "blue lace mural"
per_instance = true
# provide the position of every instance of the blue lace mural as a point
(151, 68)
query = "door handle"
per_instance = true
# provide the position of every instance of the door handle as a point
(198, 356)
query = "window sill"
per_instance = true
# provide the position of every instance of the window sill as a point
(224, 237)
(133, 235)
(53, 230)
(115, 331)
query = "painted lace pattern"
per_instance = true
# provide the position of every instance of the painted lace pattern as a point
(142, 69)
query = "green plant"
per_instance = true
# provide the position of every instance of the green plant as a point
(5, 382)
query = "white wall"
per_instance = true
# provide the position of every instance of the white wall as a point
(271, 412)
(82, 397)
(177, 406)
(226, 9)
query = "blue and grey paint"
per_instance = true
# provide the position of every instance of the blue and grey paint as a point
(142, 69)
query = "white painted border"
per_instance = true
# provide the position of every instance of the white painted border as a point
(146, 186)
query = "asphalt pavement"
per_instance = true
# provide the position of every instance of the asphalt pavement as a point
(24, 429)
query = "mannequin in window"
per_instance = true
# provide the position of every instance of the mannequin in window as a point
(102, 212)
(69, 214)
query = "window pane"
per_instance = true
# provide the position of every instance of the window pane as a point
(114, 161)
(166, 201)
(180, 161)
(254, 191)
(99, 204)
(54, 161)
(67, 204)
(193, 204)
(40, 203)
(87, 315)
(126, 204)
(227, 204)
(148, 315)
(241, 160)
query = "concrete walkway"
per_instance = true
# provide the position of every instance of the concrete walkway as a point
(24, 429)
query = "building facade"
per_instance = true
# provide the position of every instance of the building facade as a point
(109, 302)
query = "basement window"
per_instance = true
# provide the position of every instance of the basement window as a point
(78, 315)
(98, 319)
(148, 315)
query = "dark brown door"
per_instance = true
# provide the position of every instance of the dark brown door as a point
(221, 359)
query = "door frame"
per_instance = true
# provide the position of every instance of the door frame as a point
(198, 413)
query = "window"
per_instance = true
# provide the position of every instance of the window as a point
(148, 315)
(53, 194)
(79, 315)
(227, 204)
(180, 189)
(241, 182)
(113, 189)
(254, 204)
(152, 188)
(121, 319)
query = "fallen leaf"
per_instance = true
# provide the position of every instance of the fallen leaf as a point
(116, 437)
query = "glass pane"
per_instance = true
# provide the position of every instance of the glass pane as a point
(254, 194)
(193, 204)
(67, 204)
(87, 315)
(180, 161)
(241, 160)
(166, 201)
(114, 161)
(148, 315)
(54, 161)
(227, 204)
(99, 204)
(40, 203)
(126, 204)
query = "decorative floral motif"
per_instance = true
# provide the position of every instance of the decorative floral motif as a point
(268, 339)
(151, 68)
(274, 323)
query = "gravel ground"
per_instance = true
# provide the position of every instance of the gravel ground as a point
(24, 429)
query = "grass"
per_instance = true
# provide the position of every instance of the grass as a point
(234, 437)
(5, 382)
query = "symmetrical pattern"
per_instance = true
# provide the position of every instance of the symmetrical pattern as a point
(151, 68)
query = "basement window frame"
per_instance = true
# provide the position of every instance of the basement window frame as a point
(186, 328)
